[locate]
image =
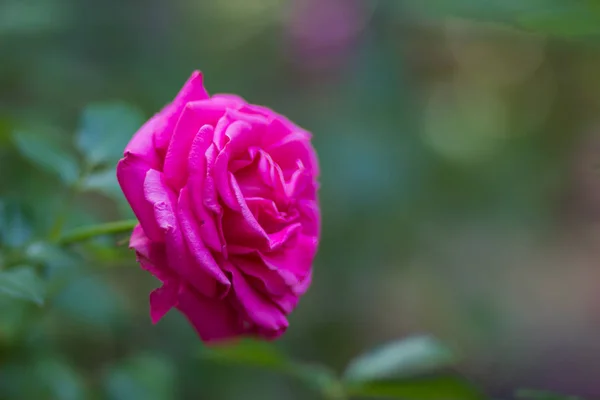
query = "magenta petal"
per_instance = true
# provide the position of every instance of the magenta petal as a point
(287, 302)
(151, 255)
(197, 167)
(178, 254)
(261, 311)
(276, 282)
(310, 217)
(214, 320)
(209, 192)
(131, 173)
(142, 142)
(242, 228)
(193, 89)
(223, 133)
(140, 242)
(303, 285)
(163, 299)
(156, 133)
(193, 237)
(197, 155)
(190, 125)
(296, 259)
(287, 151)
(241, 136)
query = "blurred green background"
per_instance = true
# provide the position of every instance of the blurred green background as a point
(459, 144)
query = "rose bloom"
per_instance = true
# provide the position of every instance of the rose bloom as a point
(226, 197)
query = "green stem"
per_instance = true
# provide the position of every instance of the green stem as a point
(88, 232)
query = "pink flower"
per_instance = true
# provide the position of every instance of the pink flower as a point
(226, 196)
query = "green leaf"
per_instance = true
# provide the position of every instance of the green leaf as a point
(529, 394)
(247, 352)
(320, 379)
(401, 359)
(48, 152)
(104, 182)
(105, 129)
(437, 388)
(263, 355)
(22, 282)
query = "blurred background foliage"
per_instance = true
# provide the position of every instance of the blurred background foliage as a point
(459, 143)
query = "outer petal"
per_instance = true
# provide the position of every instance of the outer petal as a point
(274, 282)
(214, 320)
(287, 302)
(178, 255)
(152, 138)
(151, 255)
(163, 299)
(290, 300)
(131, 173)
(259, 309)
(194, 120)
(193, 237)
(296, 258)
(310, 217)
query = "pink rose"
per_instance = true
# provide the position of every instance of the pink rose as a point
(226, 196)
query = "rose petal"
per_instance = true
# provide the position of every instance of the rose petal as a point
(223, 135)
(163, 299)
(290, 300)
(214, 320)
(241, 135)
(192, 235)
(293, 147)
(262, 312)
(197, 166)
(156, 133)
(178, 255)
(303, 285)
(296, 258)
(195, 121)
(268, 215)
(262, 178)
(151, 255)
(275, 282)
(131, 173)
(242, 228)
(287, 302)
(310, 216)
